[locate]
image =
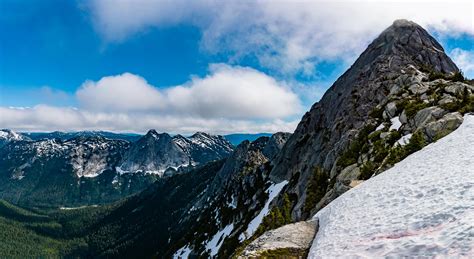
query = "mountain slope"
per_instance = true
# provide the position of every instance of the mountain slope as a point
(423, 206)
(402, 72)
(66, 173)
(221, 194)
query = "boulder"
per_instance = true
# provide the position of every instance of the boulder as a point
(295, 239)
(424, 97)
(395, 90)
(348, 174)
(391, 109)
(455, 88)
(427, 115)
(444, 126)
(403, 117)
(418, 88)
(446, 99)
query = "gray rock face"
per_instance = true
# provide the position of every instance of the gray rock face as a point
(456, 88)
(427, 115)
(245, 160)
(156, 153)
(348, 174)
(391, 109)
(443, 126)
(393, 58)
(297, 236)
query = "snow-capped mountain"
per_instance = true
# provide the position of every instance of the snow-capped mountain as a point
(7, 135)
(69, 135)
(95, 168)
(157, 153)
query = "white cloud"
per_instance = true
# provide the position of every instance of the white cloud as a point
(234, 92)
(464, 60)
(229, 99)
(287, 36)
(125, 92)
(227, 92)
(50, 118)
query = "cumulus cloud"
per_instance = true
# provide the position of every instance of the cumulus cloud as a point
(227, 92)
(465, 60)
(125, 92)
(229, 99)
(289, 37)
(234, 92)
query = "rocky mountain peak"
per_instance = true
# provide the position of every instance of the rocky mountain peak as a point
(153, 133)
(407, 42)
(200, 134)
(395, 73)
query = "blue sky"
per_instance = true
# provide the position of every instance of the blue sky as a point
(56, 56)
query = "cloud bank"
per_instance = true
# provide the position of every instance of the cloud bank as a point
(229, 99)
(288, 37)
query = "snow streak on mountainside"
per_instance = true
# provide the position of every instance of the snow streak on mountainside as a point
(424, 206)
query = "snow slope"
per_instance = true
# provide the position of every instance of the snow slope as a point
(423, 206)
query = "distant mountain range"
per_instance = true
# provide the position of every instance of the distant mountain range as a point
(234, 139)
(238, 138)
(89, 167)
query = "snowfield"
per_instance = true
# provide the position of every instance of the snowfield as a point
(422, 207)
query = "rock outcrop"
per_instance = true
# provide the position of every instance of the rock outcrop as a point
(292, 241)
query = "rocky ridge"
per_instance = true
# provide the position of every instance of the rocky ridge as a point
(402, 93)
(160, 153)
(382, 96)
(91, 167)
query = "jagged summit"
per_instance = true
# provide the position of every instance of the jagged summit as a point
(405, 41)
(154, 133)
(200, 133)
(157, 152)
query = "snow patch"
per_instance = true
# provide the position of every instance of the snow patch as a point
(233, 203)
(273, 192)
(78, 208)
(421, 207)
(182, 253)
(404, 140)
(396, 124)
(380, 127)
(218, 239)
